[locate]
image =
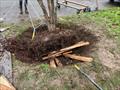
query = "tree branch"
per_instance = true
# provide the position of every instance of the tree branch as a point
(44, 10)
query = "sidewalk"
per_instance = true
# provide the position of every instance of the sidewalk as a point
(9, 10)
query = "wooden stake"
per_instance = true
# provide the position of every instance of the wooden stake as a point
(68, 52)
(60, 52)
(80, 58)
(79, 44)
(52, 63)
(58, 62)
(5, 84)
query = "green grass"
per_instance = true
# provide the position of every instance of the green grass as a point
(16, 29)
(44, 67)
(109, 19)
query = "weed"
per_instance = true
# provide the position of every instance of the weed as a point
(44, 67)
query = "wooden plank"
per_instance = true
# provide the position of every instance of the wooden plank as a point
(73, 6)
(59, 53)
(52, 63)
(79, 44)
(68, 52)
(5, 84)
(58, 62)
(76, 3)
(3, 87)
(54, 52)
(80, 58)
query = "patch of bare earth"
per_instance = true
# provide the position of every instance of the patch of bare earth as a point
(106, 48)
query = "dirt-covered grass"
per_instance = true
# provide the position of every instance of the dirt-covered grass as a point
(110, 19)
(106, 24)
(16, 29)
(105, 69)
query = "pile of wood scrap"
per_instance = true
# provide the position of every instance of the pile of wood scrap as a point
(67, 52)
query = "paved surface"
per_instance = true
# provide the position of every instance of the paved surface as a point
(9, 9)
(5, 60)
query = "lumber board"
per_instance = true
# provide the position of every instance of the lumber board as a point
(3, 87)
(5, 83)
(58, 62)
(79, 44)
(75, 3)
(68, 52)
(74, 6)
(52, 63)
(60, 52)
(80, 58)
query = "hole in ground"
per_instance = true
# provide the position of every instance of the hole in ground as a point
(46, 41)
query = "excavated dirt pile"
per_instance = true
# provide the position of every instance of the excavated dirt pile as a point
(45, 41)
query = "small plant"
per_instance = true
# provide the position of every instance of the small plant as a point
(44, 67)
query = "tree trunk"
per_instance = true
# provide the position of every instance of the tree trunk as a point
(50, 16)
(44, 11)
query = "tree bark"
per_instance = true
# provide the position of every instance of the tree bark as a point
(50, 16)
(44, 11)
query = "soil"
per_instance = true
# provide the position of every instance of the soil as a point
(45, 41)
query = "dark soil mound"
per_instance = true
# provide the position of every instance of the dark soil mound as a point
(46, 41)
